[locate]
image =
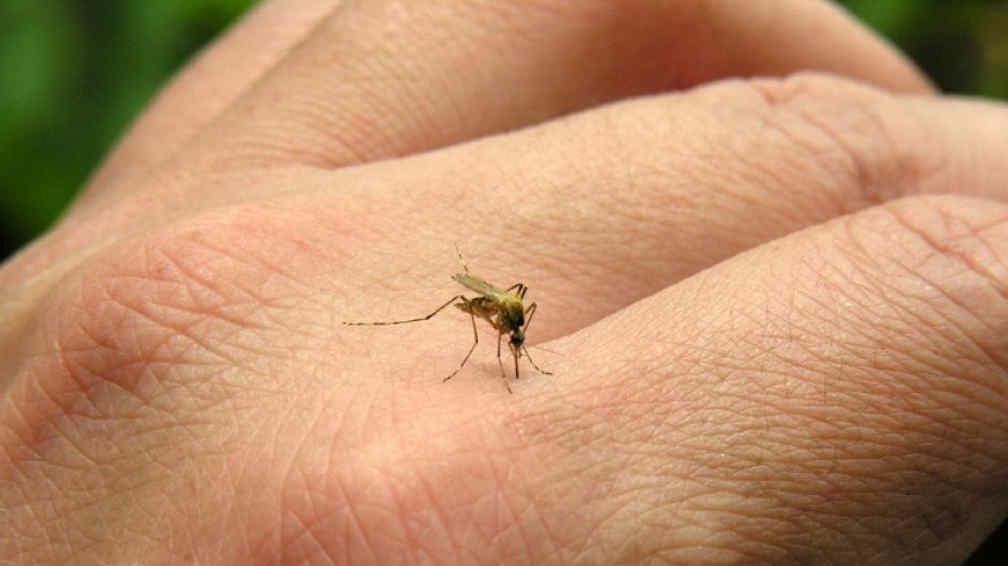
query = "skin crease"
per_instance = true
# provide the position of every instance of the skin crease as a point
(774, 307)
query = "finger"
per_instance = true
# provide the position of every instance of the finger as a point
(399, 83)
(382, 79)
(619, 202)
(615, 204)
(208, 85)
(322, 109)
(839, 393)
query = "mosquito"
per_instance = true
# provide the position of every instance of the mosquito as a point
(504, 310)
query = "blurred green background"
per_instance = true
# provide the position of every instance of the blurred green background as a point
(75, 72)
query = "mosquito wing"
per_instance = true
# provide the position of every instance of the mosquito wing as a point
(478, 285)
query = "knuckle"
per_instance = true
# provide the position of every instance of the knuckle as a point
(864, 137)
(179, 306)
(133, 325)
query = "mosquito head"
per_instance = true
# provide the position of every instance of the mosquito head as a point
(517, 337)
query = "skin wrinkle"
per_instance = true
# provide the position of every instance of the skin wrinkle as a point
(556, 548)
(952, 328)
(573, 541)
(599, 536)
(332, 147)
(441, 522)
(518, 504)
(820, 152)
(211, 215)
(307, 530)
(975, 244)
(489, 506)
(909, 311)
(216, 311)
(350, 514)
(401, 493)
(91, 508)
(531, 531)
(516, 482)
(790, 96)
(876, 491)
(290, 467)
(427, 514)
(257, 152)
(606, 530)
(141, 312)
(252, 256)
(36, 522)
(260, 538)
(403, 503)
(154, 320)
(813, 460)
(757, 545)
(892, 292)
(866, 132)
(759, 177)
(285, 456)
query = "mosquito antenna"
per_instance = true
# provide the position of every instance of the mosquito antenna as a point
(544, 349)
(539, 369)
(461, 259)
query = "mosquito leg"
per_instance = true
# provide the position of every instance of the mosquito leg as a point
(504, 378)
(528, 320)
(472, 317)
(519, 288)
(421, 319)
(515, 352)
(499, 362)
(528, 316)
(539, 369)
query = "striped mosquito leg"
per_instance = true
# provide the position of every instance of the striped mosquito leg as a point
(472, 317)
(421, 319)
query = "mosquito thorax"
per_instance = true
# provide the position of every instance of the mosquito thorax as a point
(514, 312)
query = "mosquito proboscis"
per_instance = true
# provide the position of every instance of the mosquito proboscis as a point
(504, 310)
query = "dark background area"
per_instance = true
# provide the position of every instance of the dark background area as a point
(76, 72)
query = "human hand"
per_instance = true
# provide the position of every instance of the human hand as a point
(768, 345)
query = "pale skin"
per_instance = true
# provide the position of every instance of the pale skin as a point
(777, 307)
